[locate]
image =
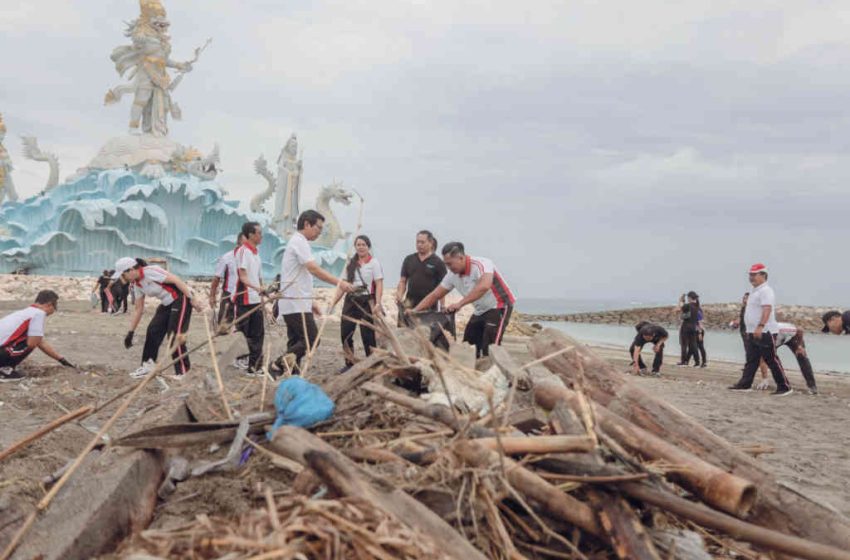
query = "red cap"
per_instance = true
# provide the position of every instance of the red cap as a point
(758, 267)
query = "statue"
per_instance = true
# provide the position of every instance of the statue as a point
(286, 187)
(7, 186)
(191, 161)
(333, 231)
(147, 59)
(33, 152)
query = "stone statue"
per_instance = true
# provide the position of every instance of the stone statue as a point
(333, 231)
(286, 187)
(191, 161)
(7, 186)
(33, 152)
(147, 59)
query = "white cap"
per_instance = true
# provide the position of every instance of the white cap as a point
(122, 265)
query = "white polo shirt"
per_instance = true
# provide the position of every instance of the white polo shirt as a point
(498, 297)
(248, 259)
(763, 295)
(16, 327)
(296, 282)
(367, 273)
(785, 332)
(151, 282)
(225, 268)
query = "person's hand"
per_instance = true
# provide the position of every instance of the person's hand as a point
(758, 332)
(66, 363)
(636, 369)
(128, 340)
(346, 287)
(734, 324)
(453, 307)
(656, 348)
(379, 310)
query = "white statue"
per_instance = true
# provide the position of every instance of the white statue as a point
(33, 152)
(191, 161)
(7, 186)
(332, 231)
(286, 187)
(147, 60)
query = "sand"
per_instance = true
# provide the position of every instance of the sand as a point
(808, 433)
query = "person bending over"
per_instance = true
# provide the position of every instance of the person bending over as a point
(646, 333)
(836, 322)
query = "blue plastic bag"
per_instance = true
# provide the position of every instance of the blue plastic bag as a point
(300, 403)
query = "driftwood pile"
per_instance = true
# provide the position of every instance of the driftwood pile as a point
(575, 462)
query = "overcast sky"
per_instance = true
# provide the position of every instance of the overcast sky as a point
(606, 150)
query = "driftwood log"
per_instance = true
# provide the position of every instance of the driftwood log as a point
(777, 506)
(347, 479)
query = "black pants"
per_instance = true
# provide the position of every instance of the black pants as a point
(167, 321)
(798, 346)
(301, 335)
(14, 353)
(688, 343)
(356, 309)
(486, 329)
(701, 346)
(763, 349)
(104, 302)
(120, 294)
(253, 327)
(226, 310)
(656, 361)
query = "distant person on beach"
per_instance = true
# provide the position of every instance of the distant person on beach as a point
(171, 319)
(100, 287)
(701, 337)
(365, 273)
(761, 324)
(836, 322)
(421, 272)
(22, 332)
(225, 276)
(646, 333)
(689, 309)
(297, 307)
(741, 325)
(247, 297)
(792, 336)
(479, 282)
(120, 293)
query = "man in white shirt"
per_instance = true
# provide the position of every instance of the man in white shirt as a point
(761, 326)
(226, 275)
(247, 297)
(22, 332)
(480, 284)
(296, 307)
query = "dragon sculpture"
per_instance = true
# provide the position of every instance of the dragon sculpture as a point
(191, 161)
(333, 231)
(33, 151)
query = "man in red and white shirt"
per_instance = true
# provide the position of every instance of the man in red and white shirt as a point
(226, 274)
(480, 284)
(22, 332)
(247, 297)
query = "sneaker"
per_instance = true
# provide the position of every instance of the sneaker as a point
(251, 372)
(740, 388)
(813, 390)
(655, 373)
(143, 370)
(241, 363)
(783, 392)
(8, 374)
(703, 365)
(681, 364)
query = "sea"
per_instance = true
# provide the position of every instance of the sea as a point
(828, 354)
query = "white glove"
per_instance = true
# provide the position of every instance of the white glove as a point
(763, 385)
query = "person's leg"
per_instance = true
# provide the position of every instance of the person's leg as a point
(693, 348)
(178, 323)
(798, 346)
(350, 314)
(683, 346)
(104, 303)
(155, 333)
(492, 323)
(658, 360)
(257, 329)
(474, 332)
(296, 340)
(752, 364)
(701, 347)
(367, 334)
(768, 353)
(11, 356)
(506, 313)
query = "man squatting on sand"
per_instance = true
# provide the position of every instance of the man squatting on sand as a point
(646, 333)
(480, 284)
(23, 331)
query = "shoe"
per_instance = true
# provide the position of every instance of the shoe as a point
(703, 365)
(782, 392)
(655, 373)
(696, 366)
(344, 369)
(740, 388)
(143, 370)
(8, 374)
(241, 363)
(681, 364)
(813, 390)
(251, 372)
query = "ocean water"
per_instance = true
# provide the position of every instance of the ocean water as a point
(827, 353)
(560, 306)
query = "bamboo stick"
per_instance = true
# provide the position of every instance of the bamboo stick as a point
(218, 378)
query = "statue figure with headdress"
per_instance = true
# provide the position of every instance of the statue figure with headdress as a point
(286, 187)
(7, 186)
(145, 62)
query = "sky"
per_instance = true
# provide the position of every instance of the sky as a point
(594, 150)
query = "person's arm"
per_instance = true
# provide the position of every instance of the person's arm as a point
(379, 294)
(138, 311)
(636, 357)
(436, 294)
(765, 316)
(214, 291)
(484, 285)
(326, 276)
(337, 296)
(401, 289)
(659, 344)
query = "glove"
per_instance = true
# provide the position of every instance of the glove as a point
(128, 340)
(66, 363)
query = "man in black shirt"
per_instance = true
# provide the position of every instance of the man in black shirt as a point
(835, 322)
(100, 286)
(647, 332)
(688, 331)
(421, 272)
